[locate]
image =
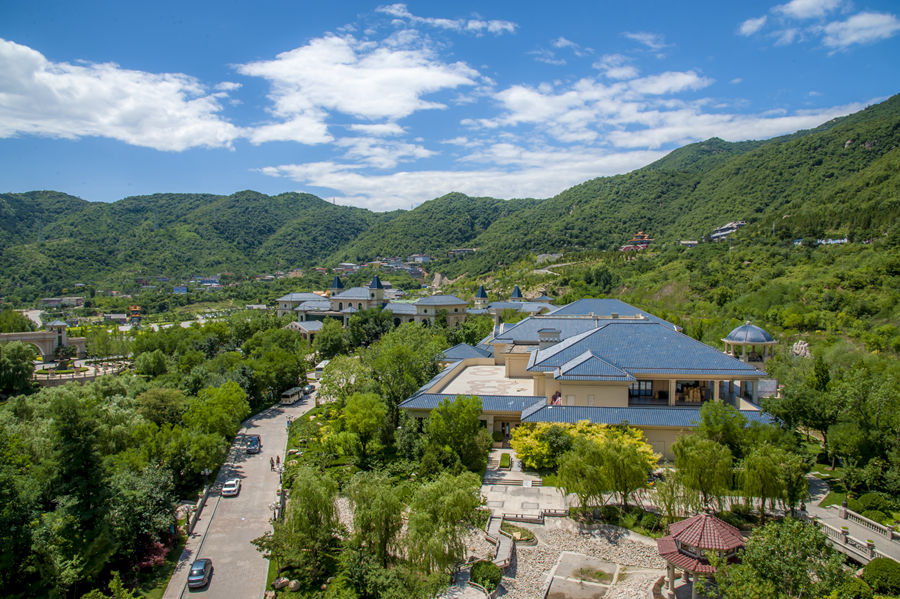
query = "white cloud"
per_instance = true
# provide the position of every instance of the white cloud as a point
(477, 26)
(786, 37)
(358, 78)
(862, 28)
(379, 129)
(654, 41)
(547, 57)
(736, 80)
(168, 111)
(669, 82)
(751, 26)
(531, 174)
(807, 9)
(380, 154)
(615, 66)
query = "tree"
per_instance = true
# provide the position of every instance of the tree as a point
(342, 377)
(625, 467)
(439, 514)
(14, 322)
(140, 506)
(377, 514)
(703, 465)
(723, 424)
(454, 427)
(762, 477)
(16, 368)
(580, 473)
(364, 416)
(788, 559)
(367, 326)
(218, 410)
(161, 405)
(301, 538)
(151, 363)
(330, 340)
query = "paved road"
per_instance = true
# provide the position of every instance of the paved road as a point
(228, 524)
(818, 489)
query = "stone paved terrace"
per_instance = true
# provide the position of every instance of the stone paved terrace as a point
(488, 380)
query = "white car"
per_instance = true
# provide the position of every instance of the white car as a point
(231, 488)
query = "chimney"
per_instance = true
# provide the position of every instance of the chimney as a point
(548, 337)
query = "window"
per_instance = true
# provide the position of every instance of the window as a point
(640, 390)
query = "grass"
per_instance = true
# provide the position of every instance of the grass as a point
(833, 498)
(505, 461)
(152, 584)
(550, 480)
(517, 532)
(594, 575)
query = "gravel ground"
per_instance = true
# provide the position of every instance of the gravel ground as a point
(477, 547)
(532, 565)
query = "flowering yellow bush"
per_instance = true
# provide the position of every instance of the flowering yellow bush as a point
(540, 444)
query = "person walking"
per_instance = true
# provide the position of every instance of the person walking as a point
(278, 460)
(271, 464)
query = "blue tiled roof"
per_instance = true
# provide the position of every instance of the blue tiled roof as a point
(311, 325)
(749, 333)
(300, 297)
(604, 307)
(481, 293)
(526, 331)
(376, 283)
(401, 308)
(440, 300)
(336, 283)
(354, 293)
(637, 416)
(516, 293)
(319, 305)
(476, 311)
(587, 366)
(489, 403)
(532, 307)
(644, 347)
(349, 309)
(462, 351)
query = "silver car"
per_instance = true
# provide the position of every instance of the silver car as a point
(231, 487)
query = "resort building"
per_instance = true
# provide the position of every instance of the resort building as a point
(600, 360)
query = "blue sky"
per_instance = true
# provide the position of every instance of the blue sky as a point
(385, 105)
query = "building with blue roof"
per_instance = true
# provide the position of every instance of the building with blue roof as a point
(598, 360)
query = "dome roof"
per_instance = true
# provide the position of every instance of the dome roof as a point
(749, 334)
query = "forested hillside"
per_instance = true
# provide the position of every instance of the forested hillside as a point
(839, 179)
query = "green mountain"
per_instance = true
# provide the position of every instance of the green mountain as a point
(839, 179)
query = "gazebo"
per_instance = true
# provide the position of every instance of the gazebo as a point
(689, 541)
(749, 343)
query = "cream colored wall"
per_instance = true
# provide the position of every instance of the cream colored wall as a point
(517, 365)
(604, 394)
(662, 438)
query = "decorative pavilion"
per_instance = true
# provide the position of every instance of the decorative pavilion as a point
(749, 343)
(688, 542)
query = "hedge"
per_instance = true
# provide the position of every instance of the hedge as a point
(883, 575)
(487, 574)
(875, 515)
(852, 588)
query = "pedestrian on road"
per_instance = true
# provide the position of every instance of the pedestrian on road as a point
(278, 460)
(271, 464)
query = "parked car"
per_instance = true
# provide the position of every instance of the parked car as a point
(254, 444)
(201, 572)
(309, 389)
(231, 487)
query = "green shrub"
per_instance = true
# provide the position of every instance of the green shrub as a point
(874, 501)
(883, 575)
(649, 521)
(505, 460)
(487, 574)
(855, 505)
(497, 436)
(876, 515)
(852, 588)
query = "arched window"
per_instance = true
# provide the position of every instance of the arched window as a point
(340, 305)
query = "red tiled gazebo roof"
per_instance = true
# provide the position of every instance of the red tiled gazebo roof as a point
(706, 532)
(701, 533)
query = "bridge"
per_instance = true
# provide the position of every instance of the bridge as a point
(47, 341)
